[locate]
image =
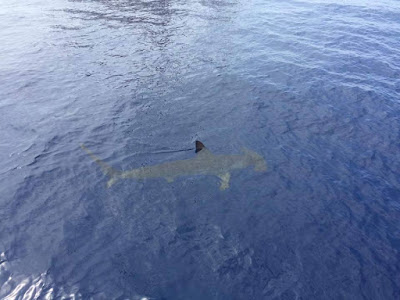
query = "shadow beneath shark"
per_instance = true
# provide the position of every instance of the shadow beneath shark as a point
(204, 163)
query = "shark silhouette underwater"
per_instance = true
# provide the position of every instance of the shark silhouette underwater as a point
(204, 163)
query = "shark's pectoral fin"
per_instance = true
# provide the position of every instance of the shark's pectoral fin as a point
(114, 176)
(111, 181)
(169, 179)
(224, 181)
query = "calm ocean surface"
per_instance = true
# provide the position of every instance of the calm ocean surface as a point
(312, 86)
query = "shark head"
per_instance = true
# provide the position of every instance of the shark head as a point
(255, 159)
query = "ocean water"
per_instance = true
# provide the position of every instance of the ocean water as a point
(311, 85)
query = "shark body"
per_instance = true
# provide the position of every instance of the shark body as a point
(204, 163)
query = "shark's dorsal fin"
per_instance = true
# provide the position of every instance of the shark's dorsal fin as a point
(199, 146)
(202, 150)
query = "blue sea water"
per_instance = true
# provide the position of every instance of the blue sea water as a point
(311, 85)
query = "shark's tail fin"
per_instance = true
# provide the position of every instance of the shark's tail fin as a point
(107, 169)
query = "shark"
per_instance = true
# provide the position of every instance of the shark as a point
(204, 163)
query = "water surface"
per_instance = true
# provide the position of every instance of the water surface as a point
(313, 86)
